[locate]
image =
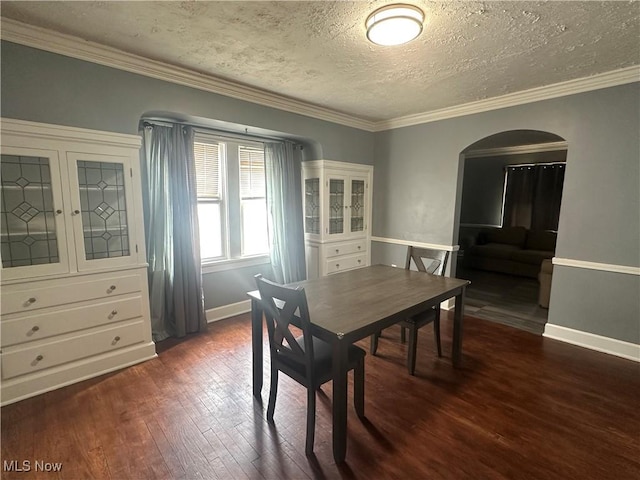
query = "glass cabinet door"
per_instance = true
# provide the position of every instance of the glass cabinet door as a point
(336, 206)
(32, 230)
(102, 210)
(312, 205)
(358, 207)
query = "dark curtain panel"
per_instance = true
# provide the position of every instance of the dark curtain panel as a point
(172, 236)
(284, 204)
(547, 197)
(533, 196)
(518, 198)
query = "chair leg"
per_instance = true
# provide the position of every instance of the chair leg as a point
(311, 420)
(272, 394)
(436, 333)
(411, 354)
(403, 337)
(374, 343)
(358, 389)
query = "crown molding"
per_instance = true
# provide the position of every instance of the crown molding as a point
(562, 89)
(518, 149)
(70, 46)
(25, 128)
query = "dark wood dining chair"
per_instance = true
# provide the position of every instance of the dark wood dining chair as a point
(430, 261)
(306, 359)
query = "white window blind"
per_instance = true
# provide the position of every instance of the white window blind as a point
(252, 180)
(207, 156)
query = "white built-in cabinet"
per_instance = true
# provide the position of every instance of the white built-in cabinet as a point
(337, 216)
(74, 295)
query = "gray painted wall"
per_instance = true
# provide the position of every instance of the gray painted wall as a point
(45, 87)
(418, 194)
(418, 180)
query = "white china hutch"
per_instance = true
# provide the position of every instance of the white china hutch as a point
(337, 216)
(74, 295)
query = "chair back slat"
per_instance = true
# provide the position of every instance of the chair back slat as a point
(437, 259)
(286, 307)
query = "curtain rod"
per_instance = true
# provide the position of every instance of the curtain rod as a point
(534, 164)
(220, 133)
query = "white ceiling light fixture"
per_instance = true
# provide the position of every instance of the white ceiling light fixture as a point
(394, 24)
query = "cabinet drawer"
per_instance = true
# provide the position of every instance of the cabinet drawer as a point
(21, 298)
(345, 263)
(38, 326)
(19, 361)
(345, 248)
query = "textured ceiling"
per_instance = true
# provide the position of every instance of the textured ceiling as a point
(317, 52)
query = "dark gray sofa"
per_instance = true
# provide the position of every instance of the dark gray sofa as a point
(512, 250)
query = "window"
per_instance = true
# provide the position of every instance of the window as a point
(232, 207)
(210, 201)
(253, 201)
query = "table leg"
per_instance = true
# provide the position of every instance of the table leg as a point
(457, 328)
(339, 400)
(256, 346)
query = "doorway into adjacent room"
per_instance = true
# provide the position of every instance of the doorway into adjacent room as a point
(508, 220)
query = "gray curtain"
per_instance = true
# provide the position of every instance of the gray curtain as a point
(171, 227)
(284, 204)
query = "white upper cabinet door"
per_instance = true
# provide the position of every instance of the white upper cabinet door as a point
(102, 210)
(34, 241)
(358, 205)
(337, 206)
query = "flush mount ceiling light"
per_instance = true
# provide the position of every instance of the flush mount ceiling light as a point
(394, 24)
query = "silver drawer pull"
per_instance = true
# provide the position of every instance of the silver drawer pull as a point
(111, 288)
(37, 360)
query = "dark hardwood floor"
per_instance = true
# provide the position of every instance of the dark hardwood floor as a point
(507, 299)
(521, 407)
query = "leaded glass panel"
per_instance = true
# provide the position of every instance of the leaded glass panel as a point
(103, 208)
(336, 206)
(357, 205)
(312, 205)
(28, 223)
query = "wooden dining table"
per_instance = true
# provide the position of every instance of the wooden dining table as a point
(350, 306)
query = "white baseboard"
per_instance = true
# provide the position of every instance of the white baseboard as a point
(226, 311)
(630, 351)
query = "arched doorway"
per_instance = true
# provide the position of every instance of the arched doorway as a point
(509, 180)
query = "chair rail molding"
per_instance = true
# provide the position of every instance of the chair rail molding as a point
(396, 241)
(604, 267)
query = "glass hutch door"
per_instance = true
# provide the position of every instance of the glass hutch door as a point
(32, 231)
(312, 205)
(358, 205)
(102, 210)
(337, 206)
